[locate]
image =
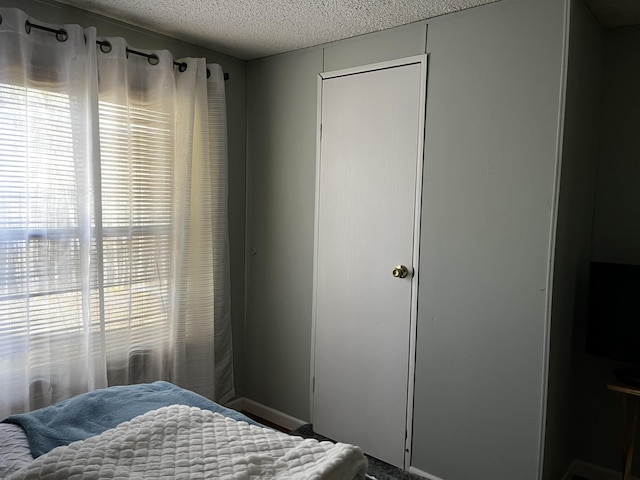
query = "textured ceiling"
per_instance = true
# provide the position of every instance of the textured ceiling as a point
(249, 29)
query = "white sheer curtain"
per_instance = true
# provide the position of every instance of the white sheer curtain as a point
(113, 238)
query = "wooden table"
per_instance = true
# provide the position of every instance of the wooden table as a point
(630, 408)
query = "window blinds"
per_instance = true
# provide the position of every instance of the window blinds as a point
(40, 245)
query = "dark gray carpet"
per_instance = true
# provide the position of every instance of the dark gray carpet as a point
(377, 468)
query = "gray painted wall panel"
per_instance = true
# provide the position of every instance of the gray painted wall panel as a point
(488, 202)
(280, 218)
(376, 47)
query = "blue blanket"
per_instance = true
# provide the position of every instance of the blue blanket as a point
(92, 413)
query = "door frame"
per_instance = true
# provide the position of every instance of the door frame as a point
(422, 60)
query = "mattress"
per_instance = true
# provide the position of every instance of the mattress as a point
(14, 449)
(181, 442)
(175, 441)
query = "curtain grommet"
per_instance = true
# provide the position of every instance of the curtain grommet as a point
(105, 46)
(62, 35)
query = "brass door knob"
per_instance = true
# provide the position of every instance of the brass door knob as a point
(400, 271)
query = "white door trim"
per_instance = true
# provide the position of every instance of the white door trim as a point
(422, 60)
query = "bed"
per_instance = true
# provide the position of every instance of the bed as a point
(159, 430)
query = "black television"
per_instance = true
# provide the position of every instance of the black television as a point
(613, 325)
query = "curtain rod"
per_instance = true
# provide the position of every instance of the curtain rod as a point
(105, 46)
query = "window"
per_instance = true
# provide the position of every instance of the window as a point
(45, 225)
(39, 243)
(112, 226)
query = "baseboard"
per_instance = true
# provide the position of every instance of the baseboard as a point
(592, 472)
(268, 413)
(417, 471)
(236, 404)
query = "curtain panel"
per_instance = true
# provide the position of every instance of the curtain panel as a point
(114, 251)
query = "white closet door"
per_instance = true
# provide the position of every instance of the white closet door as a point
(369, 160)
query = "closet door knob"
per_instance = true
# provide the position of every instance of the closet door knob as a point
(400, 271)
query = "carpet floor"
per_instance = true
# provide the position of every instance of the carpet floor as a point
(377, 468)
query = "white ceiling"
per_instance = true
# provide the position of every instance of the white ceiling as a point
(249, 29)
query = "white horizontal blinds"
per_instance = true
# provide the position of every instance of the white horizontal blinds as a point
(137, 150)
(40, 290)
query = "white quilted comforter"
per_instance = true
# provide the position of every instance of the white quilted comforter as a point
(181, 442)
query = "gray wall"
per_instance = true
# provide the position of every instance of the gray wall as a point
(51, 12)
(615, 238)
(281, 95)
(493, 111)
(573, 236)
